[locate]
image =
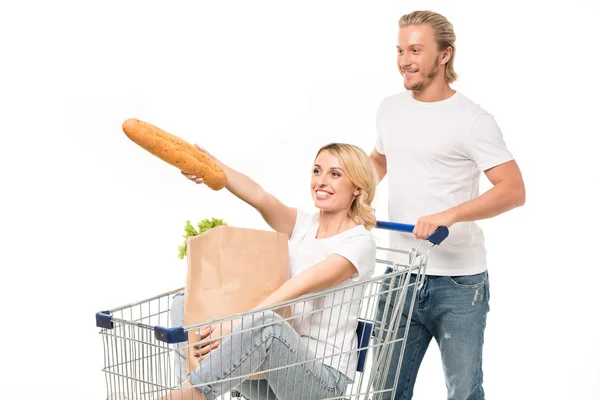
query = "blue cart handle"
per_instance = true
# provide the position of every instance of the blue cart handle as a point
(436, 238)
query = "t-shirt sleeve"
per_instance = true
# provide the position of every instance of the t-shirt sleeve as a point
(360, 251)
(485, 145)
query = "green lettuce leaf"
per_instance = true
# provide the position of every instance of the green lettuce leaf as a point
(203, 226)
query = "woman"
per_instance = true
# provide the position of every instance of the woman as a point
(329, 248)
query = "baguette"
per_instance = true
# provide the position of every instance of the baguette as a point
(176, 152)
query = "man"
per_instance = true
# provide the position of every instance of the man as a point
(433, 143)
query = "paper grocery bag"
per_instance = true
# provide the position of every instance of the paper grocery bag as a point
(231, 270)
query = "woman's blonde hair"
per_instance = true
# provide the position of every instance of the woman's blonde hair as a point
(443, 31)
(359, 169)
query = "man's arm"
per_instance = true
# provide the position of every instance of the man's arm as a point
(379, 161)
(507, 193)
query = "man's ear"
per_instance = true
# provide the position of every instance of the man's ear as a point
(447, 55)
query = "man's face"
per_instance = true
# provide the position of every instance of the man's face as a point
(418, 56)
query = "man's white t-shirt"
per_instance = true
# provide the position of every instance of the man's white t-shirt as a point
(436, 152)
(329, 322)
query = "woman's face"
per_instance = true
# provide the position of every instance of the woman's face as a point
(331, 189)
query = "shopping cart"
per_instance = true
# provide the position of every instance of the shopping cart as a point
(145, 349)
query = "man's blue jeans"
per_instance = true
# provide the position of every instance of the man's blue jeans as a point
(453, 310)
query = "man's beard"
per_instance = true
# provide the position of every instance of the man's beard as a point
(430, 76)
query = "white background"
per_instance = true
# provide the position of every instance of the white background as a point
(91, 221)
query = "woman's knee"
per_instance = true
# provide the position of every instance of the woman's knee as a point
(177, 310)
(261, 319)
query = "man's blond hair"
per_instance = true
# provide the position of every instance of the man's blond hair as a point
(443, 31)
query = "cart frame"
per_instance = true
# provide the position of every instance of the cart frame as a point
(141, 348)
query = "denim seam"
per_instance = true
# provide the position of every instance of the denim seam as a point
(273, 336)
(412, 364)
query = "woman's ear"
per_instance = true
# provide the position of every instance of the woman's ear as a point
(356, 192)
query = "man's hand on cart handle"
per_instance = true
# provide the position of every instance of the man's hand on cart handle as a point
(426, 226)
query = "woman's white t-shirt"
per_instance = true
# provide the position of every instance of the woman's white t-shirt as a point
(329, 322)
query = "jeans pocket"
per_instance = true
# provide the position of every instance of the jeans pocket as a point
(468, 281)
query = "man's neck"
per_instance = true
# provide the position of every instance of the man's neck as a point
(434, 93)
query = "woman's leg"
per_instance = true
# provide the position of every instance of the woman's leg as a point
(267, 342)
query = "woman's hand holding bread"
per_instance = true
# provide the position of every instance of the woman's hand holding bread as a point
(195, 178)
